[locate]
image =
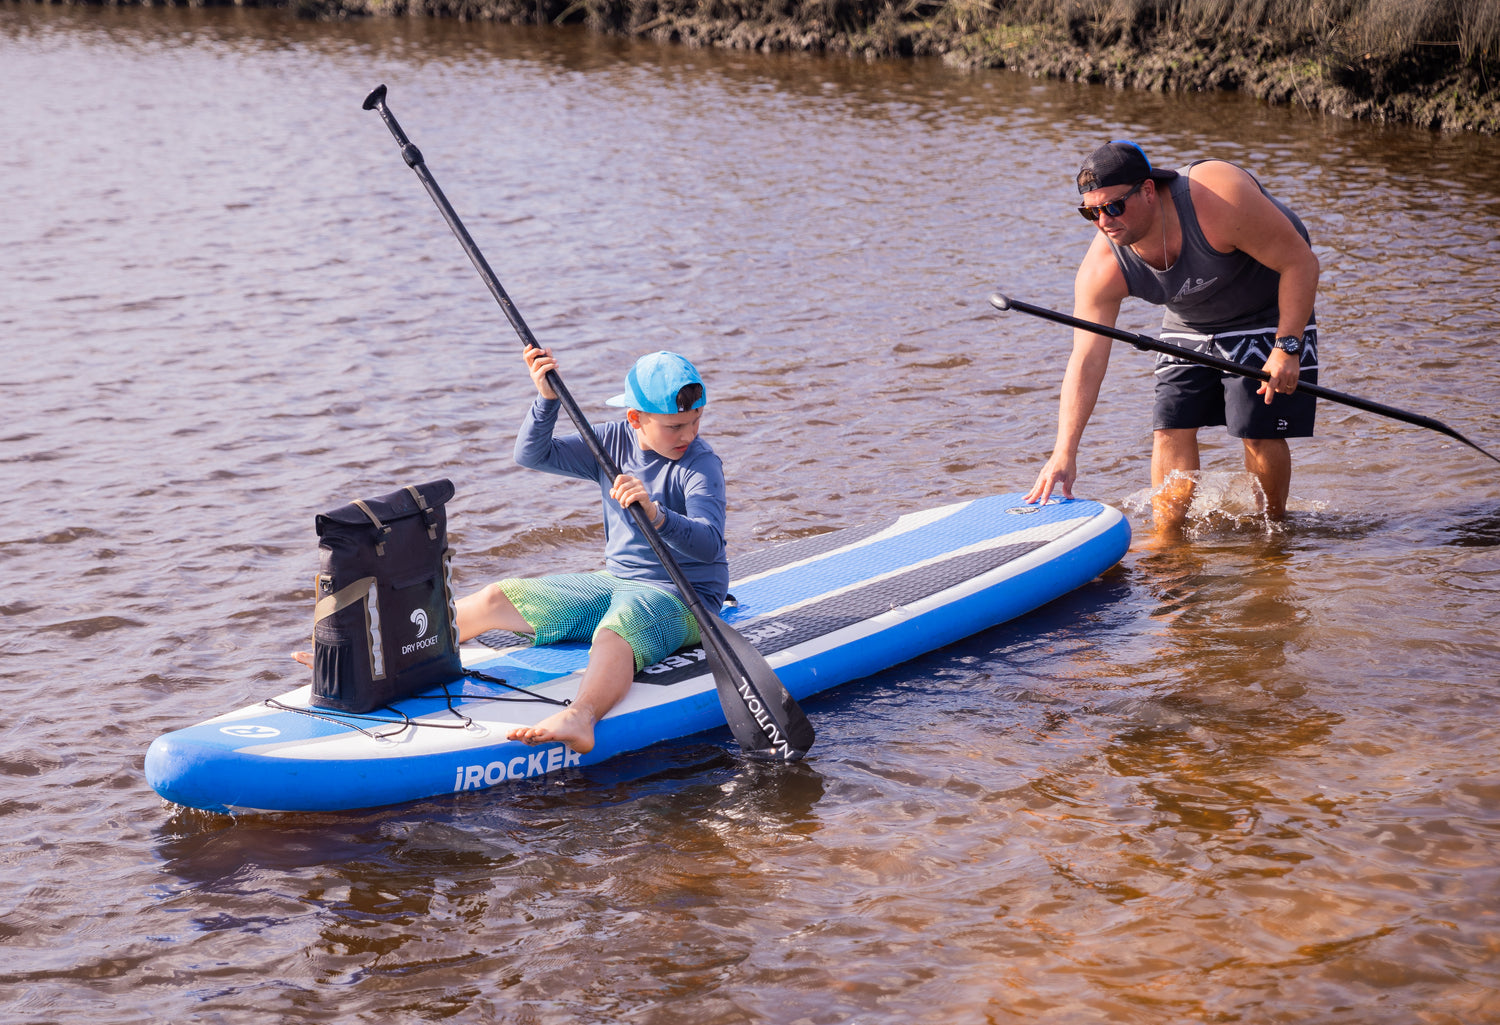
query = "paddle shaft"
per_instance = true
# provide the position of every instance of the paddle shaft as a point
(1002, 302)
(708, 625)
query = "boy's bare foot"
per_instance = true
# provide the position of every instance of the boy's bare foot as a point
(573, 726)
(305, 657)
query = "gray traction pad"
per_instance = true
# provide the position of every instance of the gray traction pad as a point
(858, 604)
(779, 632)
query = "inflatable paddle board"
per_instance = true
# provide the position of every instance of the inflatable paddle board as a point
(823, 610)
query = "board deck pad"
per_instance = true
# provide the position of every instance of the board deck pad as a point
(823, 609)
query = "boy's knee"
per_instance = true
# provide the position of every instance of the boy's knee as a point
(604, 637)
(608, 644)
(494, 598)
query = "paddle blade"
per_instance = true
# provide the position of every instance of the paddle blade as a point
(764, 718)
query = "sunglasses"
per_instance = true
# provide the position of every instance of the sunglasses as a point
(1114, 208)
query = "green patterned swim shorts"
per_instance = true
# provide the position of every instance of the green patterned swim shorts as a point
(576, 606)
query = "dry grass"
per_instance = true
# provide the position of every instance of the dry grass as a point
(1432, 62)
(1469, 29)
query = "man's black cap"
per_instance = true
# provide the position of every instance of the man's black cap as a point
(1117, 163)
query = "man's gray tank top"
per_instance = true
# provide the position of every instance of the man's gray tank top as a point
(1206, 291)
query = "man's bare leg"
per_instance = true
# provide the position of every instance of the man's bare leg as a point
(1270, 459)
(1172, 450)
(610, 671)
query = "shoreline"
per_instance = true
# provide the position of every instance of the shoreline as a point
(1380, 74)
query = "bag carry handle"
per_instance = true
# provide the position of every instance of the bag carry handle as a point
(381, 527)
(428, 516)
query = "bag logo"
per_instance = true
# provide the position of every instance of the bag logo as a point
(419, 617)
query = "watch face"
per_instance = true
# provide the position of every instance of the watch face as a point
(1291, 346)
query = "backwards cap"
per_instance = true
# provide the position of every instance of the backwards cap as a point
(654, 383)
(1120, 162)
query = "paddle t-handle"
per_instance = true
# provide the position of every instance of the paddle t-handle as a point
(1146, 342)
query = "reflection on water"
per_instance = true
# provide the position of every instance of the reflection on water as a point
(1243, 776)
(1479, 530)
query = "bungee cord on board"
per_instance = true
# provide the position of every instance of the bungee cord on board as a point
(406, 722)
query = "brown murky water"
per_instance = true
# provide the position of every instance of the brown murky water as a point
(1248, 779)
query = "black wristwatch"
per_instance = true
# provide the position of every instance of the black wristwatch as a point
(1289, 344)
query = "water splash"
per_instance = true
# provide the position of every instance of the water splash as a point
(1222, 501)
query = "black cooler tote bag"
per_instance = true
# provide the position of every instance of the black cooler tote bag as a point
(384, 626)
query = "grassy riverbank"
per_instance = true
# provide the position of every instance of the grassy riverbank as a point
(1434, 63)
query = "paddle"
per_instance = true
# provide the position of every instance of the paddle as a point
(764, 718)
(1001, 302)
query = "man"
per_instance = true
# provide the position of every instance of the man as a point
(1237, 275)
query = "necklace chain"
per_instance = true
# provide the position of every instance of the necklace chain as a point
(1165, 261)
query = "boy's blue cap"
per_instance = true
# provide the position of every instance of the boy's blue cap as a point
(653, 383)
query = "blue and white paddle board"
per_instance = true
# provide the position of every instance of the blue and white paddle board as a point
(823, 610)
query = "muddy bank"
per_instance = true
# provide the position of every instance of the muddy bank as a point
(1453, 99)
(1425, 68)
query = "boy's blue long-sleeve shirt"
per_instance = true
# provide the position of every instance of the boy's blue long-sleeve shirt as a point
(690, 489)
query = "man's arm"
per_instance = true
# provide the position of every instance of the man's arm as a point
(1235, 214)
(1098, 290)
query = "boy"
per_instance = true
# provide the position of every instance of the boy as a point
(631, 610)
